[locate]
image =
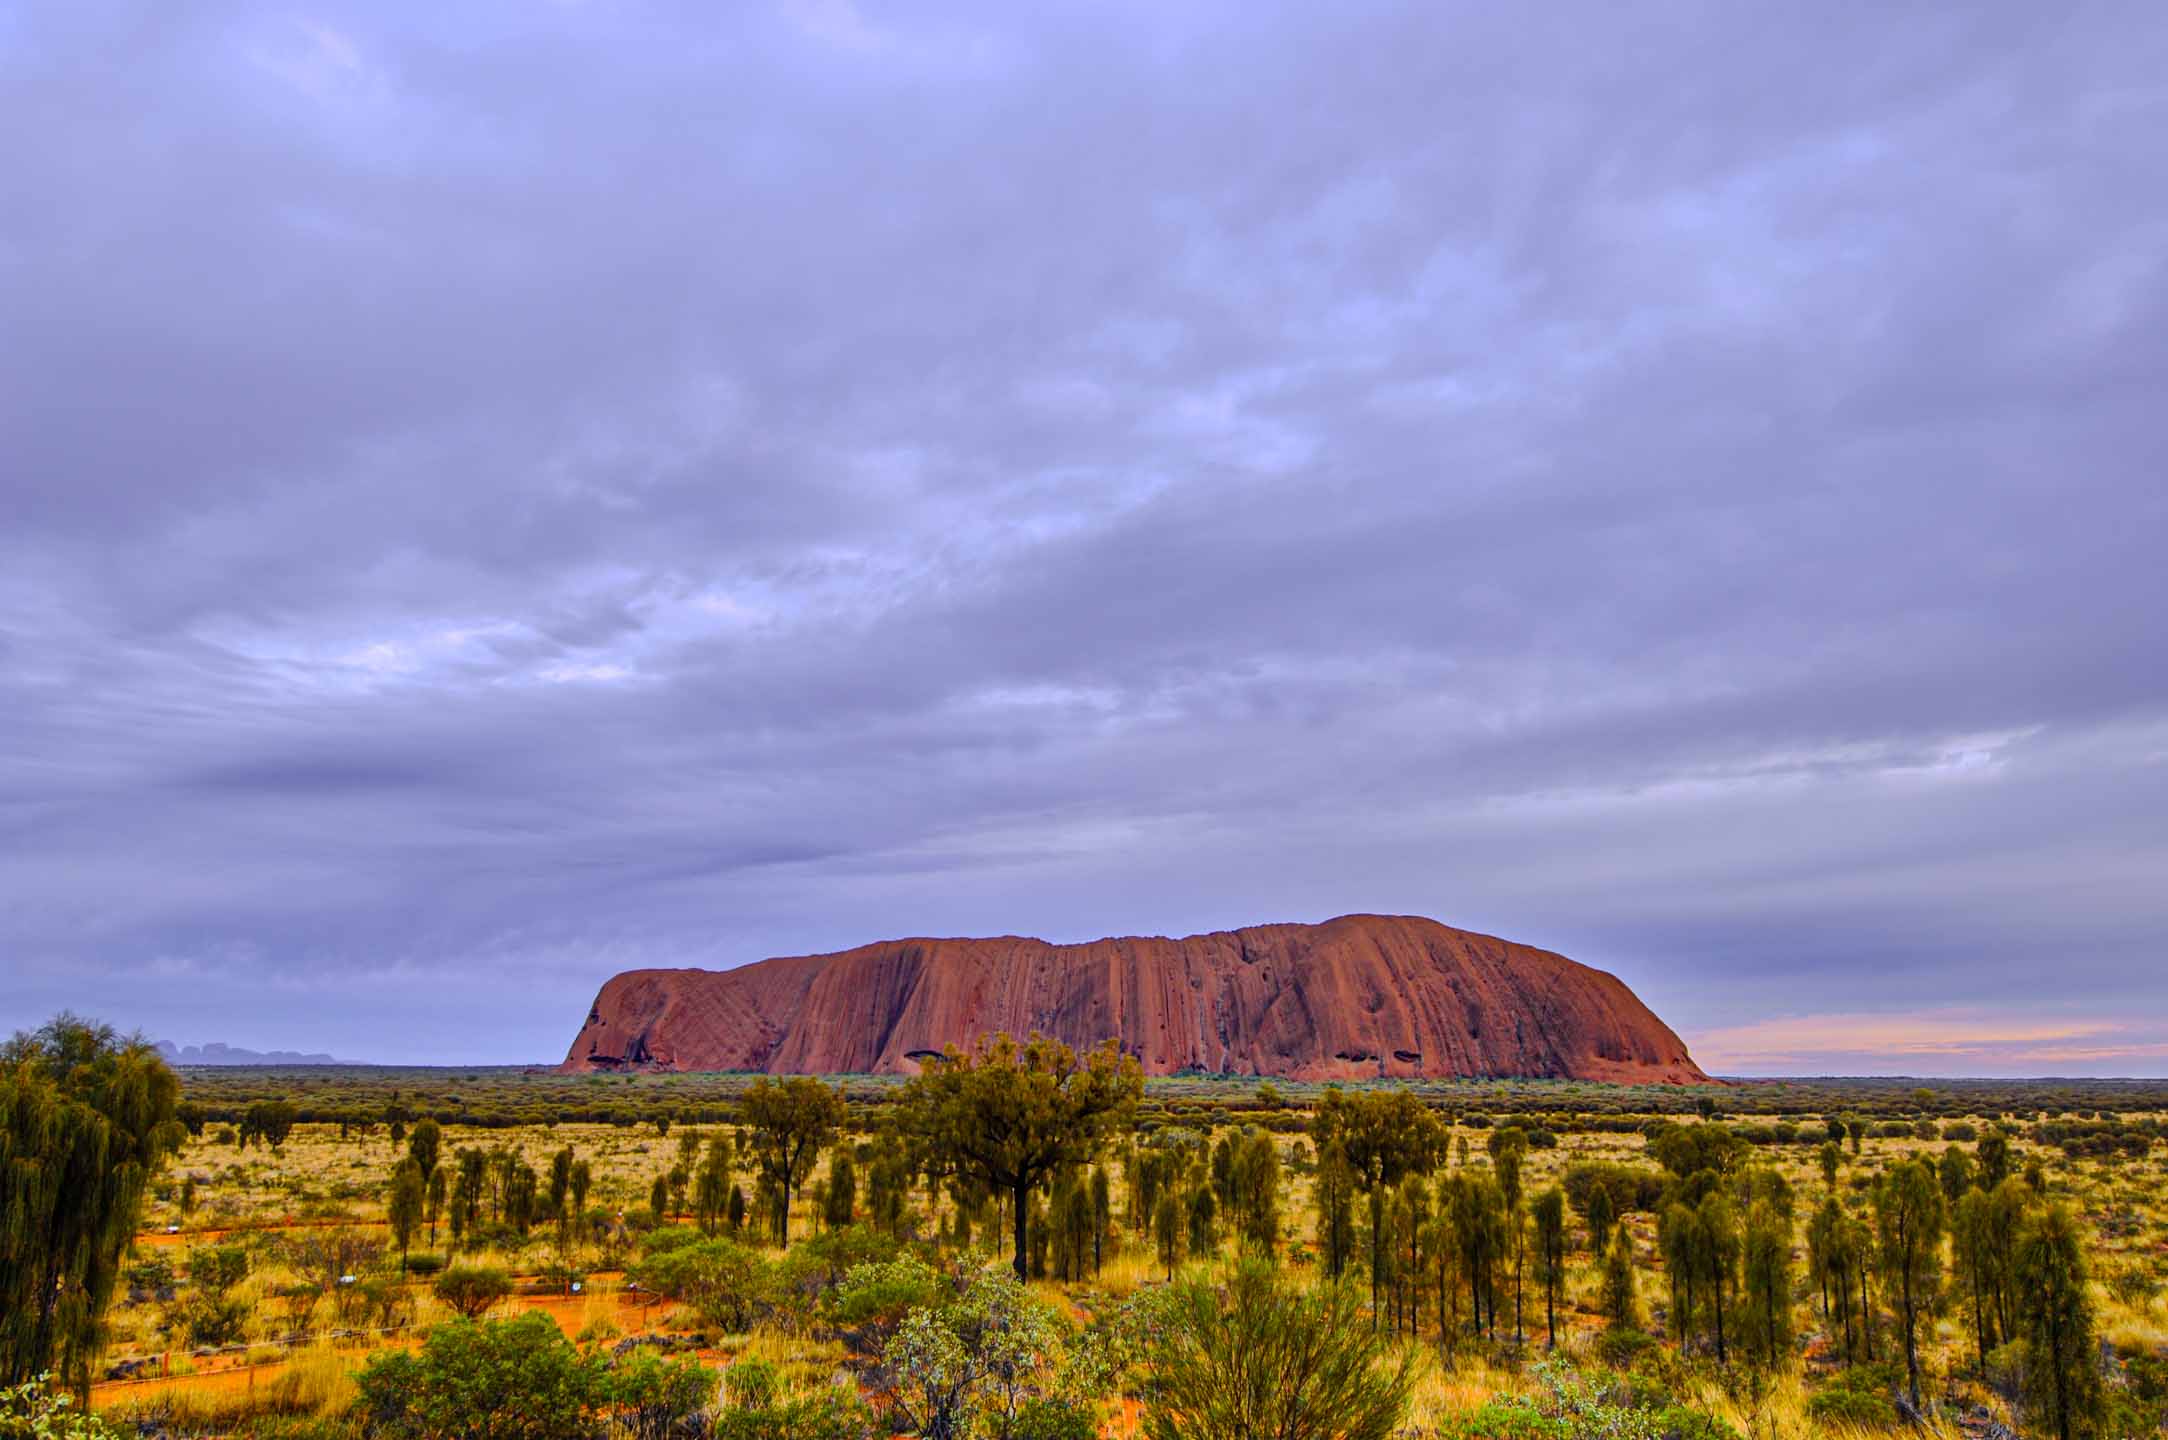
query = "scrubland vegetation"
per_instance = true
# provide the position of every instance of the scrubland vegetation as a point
(1030, 1245)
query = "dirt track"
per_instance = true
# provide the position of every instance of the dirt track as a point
(154, 1239)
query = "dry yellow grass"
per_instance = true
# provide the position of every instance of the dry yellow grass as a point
(319, 1179)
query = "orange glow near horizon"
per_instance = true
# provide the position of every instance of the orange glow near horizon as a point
(1951, 1042)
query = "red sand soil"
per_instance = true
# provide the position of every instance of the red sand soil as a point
(152, 1239)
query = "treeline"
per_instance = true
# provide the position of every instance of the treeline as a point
(1424, 1210)
(1454, 1247)
(1763, 1112)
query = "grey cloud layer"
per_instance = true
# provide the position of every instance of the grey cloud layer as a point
(496, 498)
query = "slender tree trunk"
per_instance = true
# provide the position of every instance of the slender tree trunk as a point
(1444, 1324)
(1022, 1196)
(1912, 1332)
(1414, 1281)
(1550, 1305)
(1519, 1256)
(2055, 1354)
(1866, 1310)
(1377, 1221)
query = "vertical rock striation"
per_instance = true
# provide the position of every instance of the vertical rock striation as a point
(1363, 996)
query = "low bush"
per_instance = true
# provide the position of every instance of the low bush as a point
(1683, 1422)
(1858, 1396)
(1620, 1349)
(1515, 1419)
(1264, 1356)
(1043, 1418)
(751, 1384)
(832, 1413)
(472, 1289)
(210, 1318)
(31, 1412)
(1630, 1187)
(726, 1284)
(1854, 1408)
(873, 1300)
(651, 1398)
(523, 1380)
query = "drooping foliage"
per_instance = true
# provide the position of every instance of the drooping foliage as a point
(1011, 1115)
(1910, 1219)
(1384, 1135)
(2055, 1317)
(788, 1124)
(1550, 1227)
(86, 1121)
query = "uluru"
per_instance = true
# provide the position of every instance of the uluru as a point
(1358, 997)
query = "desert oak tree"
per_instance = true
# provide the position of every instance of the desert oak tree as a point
(1011, 1115)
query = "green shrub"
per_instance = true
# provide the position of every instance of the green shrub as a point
(668, 1238)
(1572, 1404)
(1880, 1378)
(1630, 1187)
(29, 1412)
(385, 1300)
(2134, 1285)
(873, 1300)
(1683, 1422)
(655, 1399)
(2128, 1415)
(2147, 1378)
(1651, 1384)
(500, 1380)
(217, 1268)
(296, 1427)
(2006, 1368)
(150, 1279)
(424, 1263)
(834, 1413)
(751, 1384)
(726, 1284)
(1050, 1419)
(1858, 1396)
(1516, 1419)
(1620, 1349)
(472, 1289)
(1264, 1356)
(211, 1318)
(1857, 1408)
(950, 1364)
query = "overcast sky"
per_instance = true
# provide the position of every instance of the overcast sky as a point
(494, 495)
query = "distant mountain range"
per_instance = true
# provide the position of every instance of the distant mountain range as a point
(219, 1053)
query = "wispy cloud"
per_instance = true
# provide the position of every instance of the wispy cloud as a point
(1932, 1042)
(501, 492)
